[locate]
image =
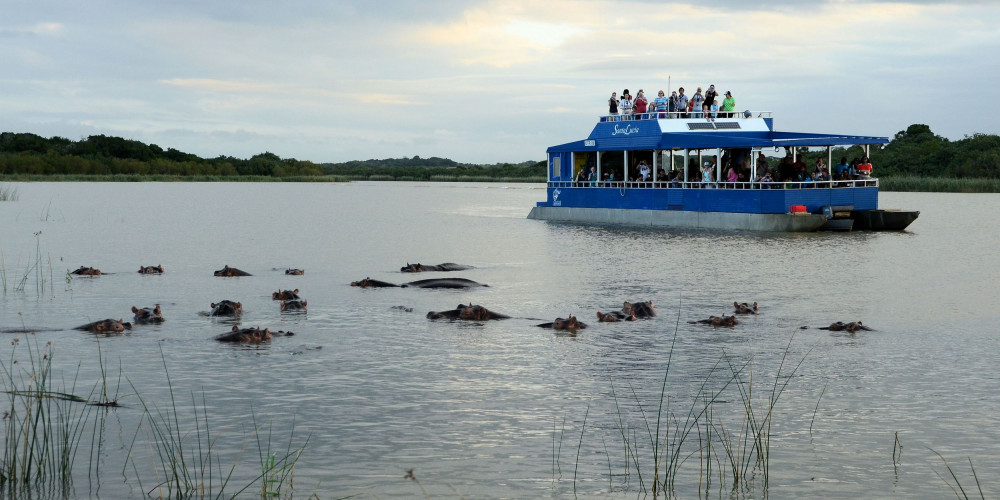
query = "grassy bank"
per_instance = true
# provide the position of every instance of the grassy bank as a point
(912, 183)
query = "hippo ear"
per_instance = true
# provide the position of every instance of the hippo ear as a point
(236, 328)
(239, 305)
(305, 302)
(157, 309)
(135, 309)
(214, 305)
(99, 327)
(296, 291)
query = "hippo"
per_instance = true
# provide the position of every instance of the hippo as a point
(419, 268)
(87, 271)
(293, 305)
(630, 312)
(851, 327)
(370, 283)
(456, 283)
(614, 316)
(469, 312)
(231, 271)
(151, 269)
(570, 323)
(724, 320)
(401, 308)
(251, 335)
(745, 308)
(639, 309)
(227, 308)
(295, 272)
(106, 326)
(443, 283)
(147, 315)
(286, 295)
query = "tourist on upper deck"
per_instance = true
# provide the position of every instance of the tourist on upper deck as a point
(581, 177)
(592, 177)
(697, 104)
(840, 168)
(639, 105)
(710, 95)
(820, 165)
(713, 108)
(660, 104)
(864, 169)
(852, 169)
(728, 104)
(613, 104)
(672, 105)
(626, 105)
(682, 103)
(661, 176)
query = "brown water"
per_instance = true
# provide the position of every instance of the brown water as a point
(506, 409)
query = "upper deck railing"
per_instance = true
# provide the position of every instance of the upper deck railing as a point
(873, 182)
(699, 115)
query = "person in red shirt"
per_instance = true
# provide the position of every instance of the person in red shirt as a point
(865, 169)
(639, 105)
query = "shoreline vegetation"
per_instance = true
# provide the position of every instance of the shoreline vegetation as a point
(914, 160)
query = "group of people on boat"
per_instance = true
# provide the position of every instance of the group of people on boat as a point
(677, 105)
(736, 171)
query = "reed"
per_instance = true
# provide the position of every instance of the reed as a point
(8, 192)
(42, 429)
(913, 183)
(730, 447)
(957, 487)
(186, 462)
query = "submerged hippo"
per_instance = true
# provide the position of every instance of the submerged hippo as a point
(285, 295)
(468, 312)
(419, 268)
(151, 269)
(724, 320)
(614, 316)
(231, 271)
(295, 272)
(293, 305)
(456, 283)
(87, 271)
(147, 315)
(570, 323)
(251, 335)
(630, 312)
(227, 308)
(744, 308)
(105, 326)
(851, 327)
(370, 283)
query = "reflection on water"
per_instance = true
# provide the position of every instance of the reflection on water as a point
(496, 409)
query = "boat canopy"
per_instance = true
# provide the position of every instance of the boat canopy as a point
(744, 131)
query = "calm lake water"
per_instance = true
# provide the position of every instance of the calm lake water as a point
(505, 409)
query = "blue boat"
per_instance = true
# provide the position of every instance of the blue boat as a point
(674, 194)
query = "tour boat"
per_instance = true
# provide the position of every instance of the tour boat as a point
(667, 142)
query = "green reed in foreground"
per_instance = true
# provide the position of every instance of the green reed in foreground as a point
(45, 425)
(186, 462)
(671, 436)
(42, 427)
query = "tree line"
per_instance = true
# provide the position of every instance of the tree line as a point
(916, 151)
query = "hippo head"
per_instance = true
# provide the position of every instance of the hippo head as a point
(412, 268)
(148, 315)
(475, 313)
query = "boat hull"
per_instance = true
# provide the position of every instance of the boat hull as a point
(802, 222)
(883, 220)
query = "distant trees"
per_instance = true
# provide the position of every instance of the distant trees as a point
(914, 151)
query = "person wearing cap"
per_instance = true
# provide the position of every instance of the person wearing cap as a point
(626, 105)
(728, 104)
(710, 95)
(706, 174)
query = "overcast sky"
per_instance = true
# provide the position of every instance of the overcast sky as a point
(478, 81)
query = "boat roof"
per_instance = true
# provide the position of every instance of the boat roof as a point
(744, 131)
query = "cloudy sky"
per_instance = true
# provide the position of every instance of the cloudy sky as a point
(478, 81)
